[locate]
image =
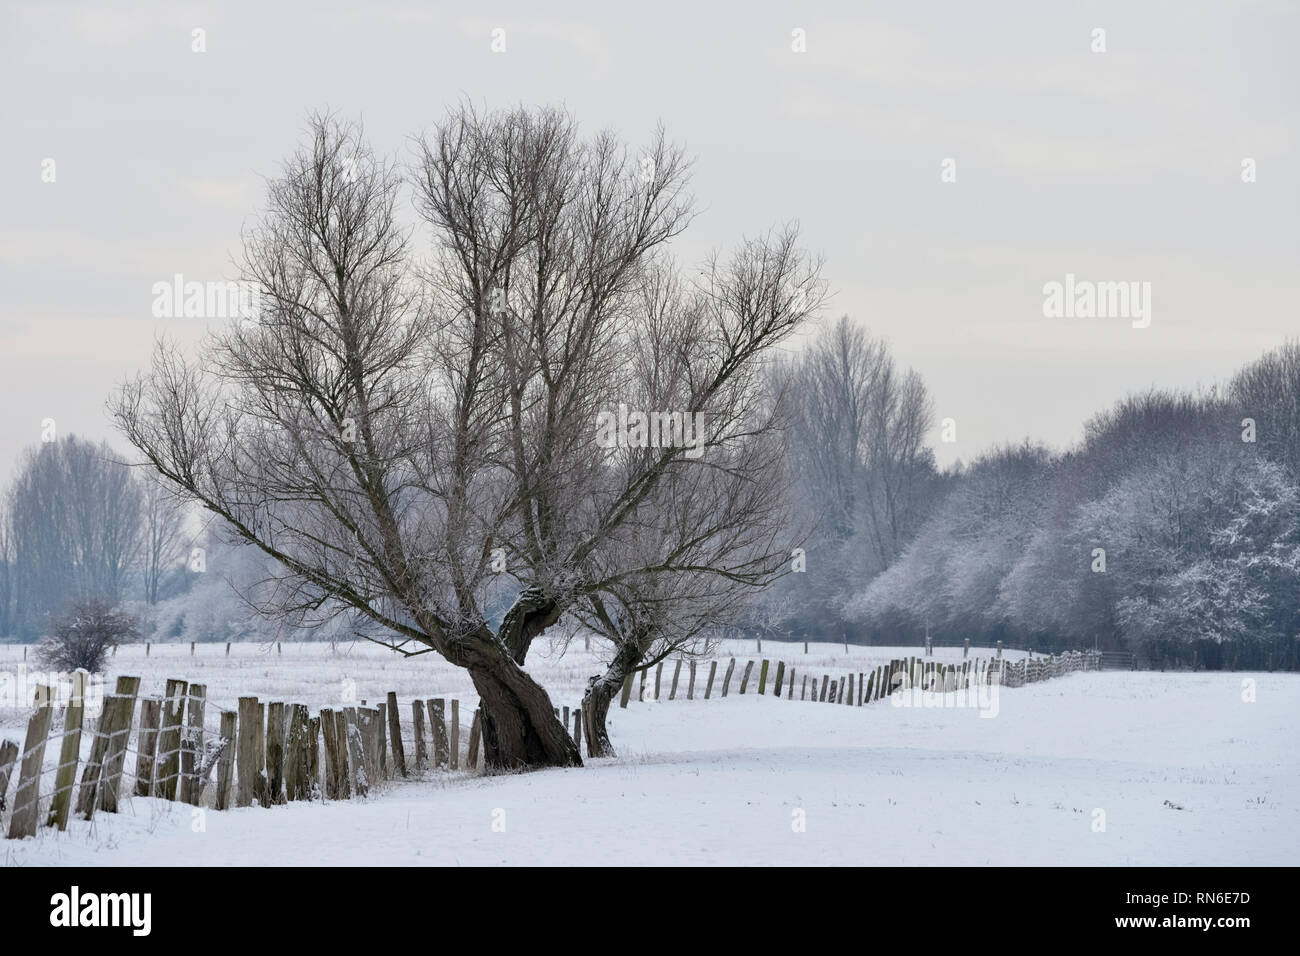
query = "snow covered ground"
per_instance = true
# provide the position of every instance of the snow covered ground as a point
(1177, 767)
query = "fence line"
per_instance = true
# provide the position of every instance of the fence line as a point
(273, 753)
(255, 753)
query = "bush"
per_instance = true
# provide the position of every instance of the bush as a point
(83, 634)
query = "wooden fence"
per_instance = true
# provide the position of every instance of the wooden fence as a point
(863, 687)
(259, 753)
(272, 753)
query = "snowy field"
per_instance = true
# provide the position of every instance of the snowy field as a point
(1184, 771)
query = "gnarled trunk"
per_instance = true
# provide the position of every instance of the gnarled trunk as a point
(520, 729)
(600, 693)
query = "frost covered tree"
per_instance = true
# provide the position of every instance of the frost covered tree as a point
(397, 431)
(74, 522)
(859, 460)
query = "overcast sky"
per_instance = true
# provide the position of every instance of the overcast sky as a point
(1117, 166)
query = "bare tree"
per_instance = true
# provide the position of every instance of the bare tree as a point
(162, 531)
(388, 428)
(75, 522)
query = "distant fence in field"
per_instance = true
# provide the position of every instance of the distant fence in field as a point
(882, 681)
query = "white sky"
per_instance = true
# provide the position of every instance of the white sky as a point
(1116, 166)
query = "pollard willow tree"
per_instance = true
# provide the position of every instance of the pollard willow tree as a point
(714, 529)
(396, 429)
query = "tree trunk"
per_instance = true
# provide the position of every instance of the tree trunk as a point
(520, 729)
(600, 693)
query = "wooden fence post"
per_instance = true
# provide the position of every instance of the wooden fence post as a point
(421, 749)
(297, 775)
(8, 754)
(438, 726)
(690, 687)
(27, 797)
(147, 744)
(713, 669)
(659, 673)
(360, 781)
(677, 672)
(789, 694)
(275, 752)
(762, 678)
(395, 731)
(192, 745)
(779, 679)
(744, 678)
(115, 756)
(726, 680)
(803, 694)
(825, 686)
(169, 740)
(471, 761)
(342, 771)
(381, 739)
(454, 755)
(226, 766)
(627, 690)
(577, 728)
(833, 689)
(850, 691)
(248, 750)
(313, 756)
(330, 743)
(66, 777)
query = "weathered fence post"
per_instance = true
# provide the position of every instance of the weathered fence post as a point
(395, 731)
(248, 751)
(471, 760)
(690, 687)
(627, 690)
(417, 721)
(825, 685)
(438, 726)
(659, 673)
(192, 745)
(115, 755)
(169, 741)
(8, 754)
(275, 752)
(790, 692)
(27, 797)
(779, 679)
(359, 777)
(744, 678)
(147, 744)
(226, 766)
(762, 678)
(297, 776)
(330, 743)
(708, 687)
(342, 768)
(726, 680)
(66, 777)
(381, 739)
(454, 755)
(677, 673)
